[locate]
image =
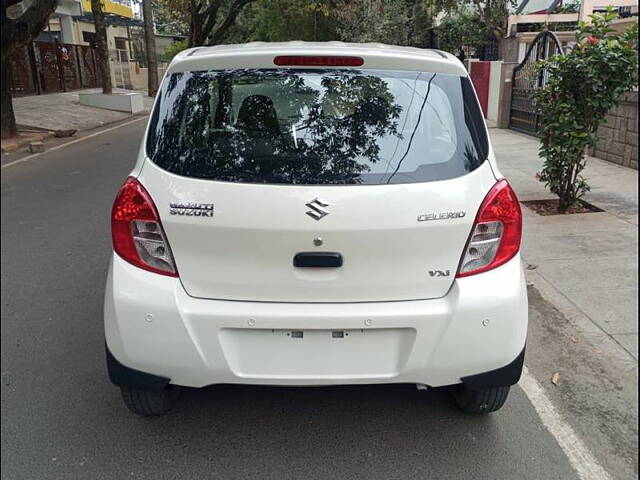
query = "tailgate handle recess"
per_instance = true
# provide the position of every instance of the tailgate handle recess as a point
(317, 260)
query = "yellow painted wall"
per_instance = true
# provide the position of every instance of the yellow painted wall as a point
(110, 7)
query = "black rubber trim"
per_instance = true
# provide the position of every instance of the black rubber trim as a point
(500, 377)
(124, 376)
(317, 260)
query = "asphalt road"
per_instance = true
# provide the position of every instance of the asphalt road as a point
(61, 418)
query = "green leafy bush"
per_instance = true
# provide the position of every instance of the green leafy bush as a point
(461, 29)
(582, 86)
(174, 49)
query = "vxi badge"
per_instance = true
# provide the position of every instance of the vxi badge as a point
(439, 273)
(440, 216)
(191, 209)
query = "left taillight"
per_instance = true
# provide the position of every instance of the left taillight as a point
(137, 233)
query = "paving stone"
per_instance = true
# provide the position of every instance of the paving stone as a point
(36, 147)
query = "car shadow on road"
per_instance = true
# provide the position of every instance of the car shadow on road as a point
(390, 431)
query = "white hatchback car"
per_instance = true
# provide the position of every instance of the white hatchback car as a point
(315, 214)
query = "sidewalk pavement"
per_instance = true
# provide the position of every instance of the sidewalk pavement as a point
(54, 111)
(585, 264)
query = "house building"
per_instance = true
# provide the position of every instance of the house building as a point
(72, 24)
(561, 17)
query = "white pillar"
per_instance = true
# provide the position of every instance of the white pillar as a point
(67, 29)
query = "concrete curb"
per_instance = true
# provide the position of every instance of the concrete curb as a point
(12, 145)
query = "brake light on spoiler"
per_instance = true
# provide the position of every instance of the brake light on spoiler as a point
(318, 61)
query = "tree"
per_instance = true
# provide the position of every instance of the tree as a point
(284, 20)
(494, 16)
(374, 21)
(396, 22)
(102, 48)
(150, 46)
(170, 20)
(582, 86)
(460, 29)
(210, 21)
(18, 29)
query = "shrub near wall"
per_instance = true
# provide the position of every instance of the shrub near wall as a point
(583, 85)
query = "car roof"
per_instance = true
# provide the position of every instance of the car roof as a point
(376, 56)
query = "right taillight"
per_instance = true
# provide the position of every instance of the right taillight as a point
(137, 233)
(496, 234)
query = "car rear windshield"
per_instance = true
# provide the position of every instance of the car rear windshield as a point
(317, 127)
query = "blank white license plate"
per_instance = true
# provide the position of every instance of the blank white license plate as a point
(308, 354)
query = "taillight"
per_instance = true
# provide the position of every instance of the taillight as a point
(318, 61)
(137, 233)
(496, 234)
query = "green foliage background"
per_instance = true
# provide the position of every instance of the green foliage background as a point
(445, 24)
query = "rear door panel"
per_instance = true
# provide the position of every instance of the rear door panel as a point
(245, 250)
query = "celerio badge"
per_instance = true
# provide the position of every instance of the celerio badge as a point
(191, 209)
(427, 217)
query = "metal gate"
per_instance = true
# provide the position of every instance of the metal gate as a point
(121, 68)
(526, 80)
(46, 67)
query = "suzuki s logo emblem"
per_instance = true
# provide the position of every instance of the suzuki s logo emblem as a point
(317, 210)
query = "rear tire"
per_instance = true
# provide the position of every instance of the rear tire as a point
(149, 403)
(482, 401)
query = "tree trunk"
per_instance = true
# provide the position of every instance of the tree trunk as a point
(196, 20)
(150, 45)
(7, 117)
(196, 35)
(102, 48)
(17, 31)
(203, 21)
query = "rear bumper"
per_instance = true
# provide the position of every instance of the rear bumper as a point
(471, 335)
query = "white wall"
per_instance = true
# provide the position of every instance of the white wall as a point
(139, 76)
(67, 29)
(493, 105)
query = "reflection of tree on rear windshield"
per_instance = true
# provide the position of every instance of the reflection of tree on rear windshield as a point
(317, 126)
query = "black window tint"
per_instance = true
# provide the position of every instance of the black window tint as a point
(317, 127)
